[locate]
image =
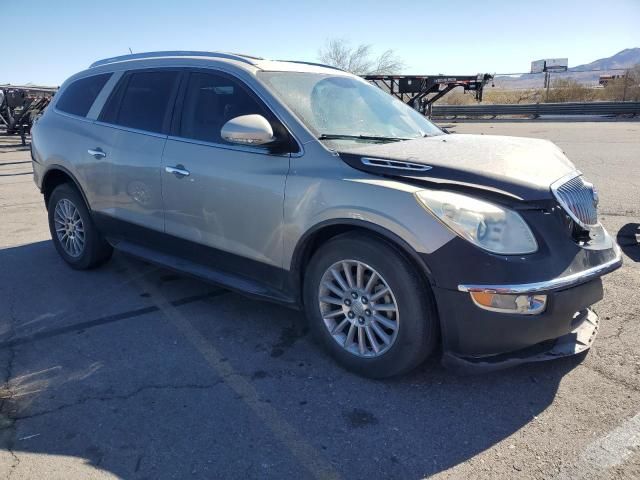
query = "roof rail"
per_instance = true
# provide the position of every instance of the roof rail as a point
(175, 53)
(315, 64)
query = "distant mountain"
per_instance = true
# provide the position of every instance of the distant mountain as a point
(626, 58)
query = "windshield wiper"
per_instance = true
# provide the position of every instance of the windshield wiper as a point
(339, 136)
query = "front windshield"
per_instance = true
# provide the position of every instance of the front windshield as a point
(342, 106)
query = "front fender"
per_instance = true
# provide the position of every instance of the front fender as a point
(377, 204)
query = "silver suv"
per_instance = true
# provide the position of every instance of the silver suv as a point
(306, 185)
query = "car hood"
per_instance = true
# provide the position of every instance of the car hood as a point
(523, 168)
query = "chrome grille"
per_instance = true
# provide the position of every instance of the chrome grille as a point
(579, 199)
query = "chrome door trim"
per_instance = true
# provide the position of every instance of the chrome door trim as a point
(226, 146)
(71, 115)
(129, 129)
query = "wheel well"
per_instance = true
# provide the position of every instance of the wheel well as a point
(319, 237)
(326, 233)
(54, 178)
(316, 240)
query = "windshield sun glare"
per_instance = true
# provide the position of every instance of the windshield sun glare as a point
(345, 107)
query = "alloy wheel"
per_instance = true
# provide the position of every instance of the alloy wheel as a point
(358, 308)
(69, 227)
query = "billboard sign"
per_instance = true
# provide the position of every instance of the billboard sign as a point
(550, 65)
(556, 64)
(537, 66)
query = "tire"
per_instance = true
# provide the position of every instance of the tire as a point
(66, 202)
(416, 324)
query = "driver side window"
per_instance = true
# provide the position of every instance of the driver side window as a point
(210, 101)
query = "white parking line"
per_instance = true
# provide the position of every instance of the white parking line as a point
(613, 449)
(306, 454)
(609, 451)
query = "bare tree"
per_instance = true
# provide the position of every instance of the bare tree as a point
(359, 60)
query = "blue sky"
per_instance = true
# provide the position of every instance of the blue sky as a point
(451, 37)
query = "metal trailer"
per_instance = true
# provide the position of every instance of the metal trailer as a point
(414, 90)
(20, 105)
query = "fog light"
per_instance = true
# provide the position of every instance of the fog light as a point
(503, 303)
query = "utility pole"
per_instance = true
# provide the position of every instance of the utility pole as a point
(547, 79)
(547, 66)
(624, 91)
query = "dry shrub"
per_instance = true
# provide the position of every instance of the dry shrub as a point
(457, 97)
(568, 90)
(491, 96)
(501, 97)
(615, 89)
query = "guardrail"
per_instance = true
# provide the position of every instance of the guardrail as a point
(537, 109)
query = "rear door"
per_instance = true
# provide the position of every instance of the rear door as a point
(129, 138)
(64, 133)
(231, 200)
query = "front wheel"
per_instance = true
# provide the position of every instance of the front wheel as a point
(73, 232)
(369, 306)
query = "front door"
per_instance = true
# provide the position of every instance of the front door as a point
(225, 197)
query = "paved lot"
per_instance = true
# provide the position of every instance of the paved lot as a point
(132, 371)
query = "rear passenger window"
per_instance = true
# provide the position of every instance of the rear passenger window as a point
(142, 101)
(210, 101)
(78, 97)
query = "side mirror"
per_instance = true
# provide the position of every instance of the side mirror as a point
(248, 130)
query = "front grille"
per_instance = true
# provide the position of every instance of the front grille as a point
(579, 199)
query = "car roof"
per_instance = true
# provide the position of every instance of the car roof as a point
(247, 62)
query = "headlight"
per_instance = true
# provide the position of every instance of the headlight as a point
(487, 225)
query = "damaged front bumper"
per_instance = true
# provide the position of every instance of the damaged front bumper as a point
(573, 343)
(479, 339)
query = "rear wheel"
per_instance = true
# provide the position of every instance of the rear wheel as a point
(72, 230)
(369, 306)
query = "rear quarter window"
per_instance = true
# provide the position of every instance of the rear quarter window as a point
(78, 97)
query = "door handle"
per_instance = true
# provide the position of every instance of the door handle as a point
(96, 153)
(179, 171)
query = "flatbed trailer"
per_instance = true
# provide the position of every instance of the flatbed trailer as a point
(414, 90)
(20, 105)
